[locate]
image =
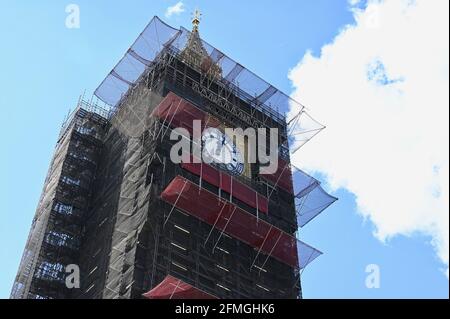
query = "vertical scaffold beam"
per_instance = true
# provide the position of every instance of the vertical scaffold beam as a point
(271, 251)
(217, 219)
(221, 233)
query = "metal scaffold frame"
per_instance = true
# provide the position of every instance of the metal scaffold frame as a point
(56, 230)
(110, 205)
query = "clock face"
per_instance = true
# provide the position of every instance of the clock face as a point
(219, 149)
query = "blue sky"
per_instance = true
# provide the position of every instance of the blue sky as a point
(45, 67)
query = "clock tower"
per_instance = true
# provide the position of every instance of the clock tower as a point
(138, 224)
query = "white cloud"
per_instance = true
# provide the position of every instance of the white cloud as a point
(382, 89)
(176, 9)
(354, 2)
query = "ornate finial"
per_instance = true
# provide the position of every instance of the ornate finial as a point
(194, 52)
(196, 19)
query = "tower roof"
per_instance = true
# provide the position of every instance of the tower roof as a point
(195, 54)
(158, 36)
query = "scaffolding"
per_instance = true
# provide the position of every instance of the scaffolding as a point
(268, 267)
(56, 231)
(161, 240)
(141, 226)
(159, 41)
(173, 288)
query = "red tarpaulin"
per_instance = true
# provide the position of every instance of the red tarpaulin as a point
(282, 177)
(174, 288)
(180, 113)
(231, 219)
(229, 184)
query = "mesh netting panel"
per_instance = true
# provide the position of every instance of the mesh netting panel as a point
(302, 128)
(312, 204)
(303, 183)
(310, 197)
(140, 55)
(306, 254)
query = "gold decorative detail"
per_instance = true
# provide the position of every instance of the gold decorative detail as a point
(195, 54)
(196, 16)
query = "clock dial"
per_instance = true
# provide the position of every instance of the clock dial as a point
(220, 150)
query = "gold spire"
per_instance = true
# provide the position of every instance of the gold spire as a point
(196, 16)
(194, 52)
